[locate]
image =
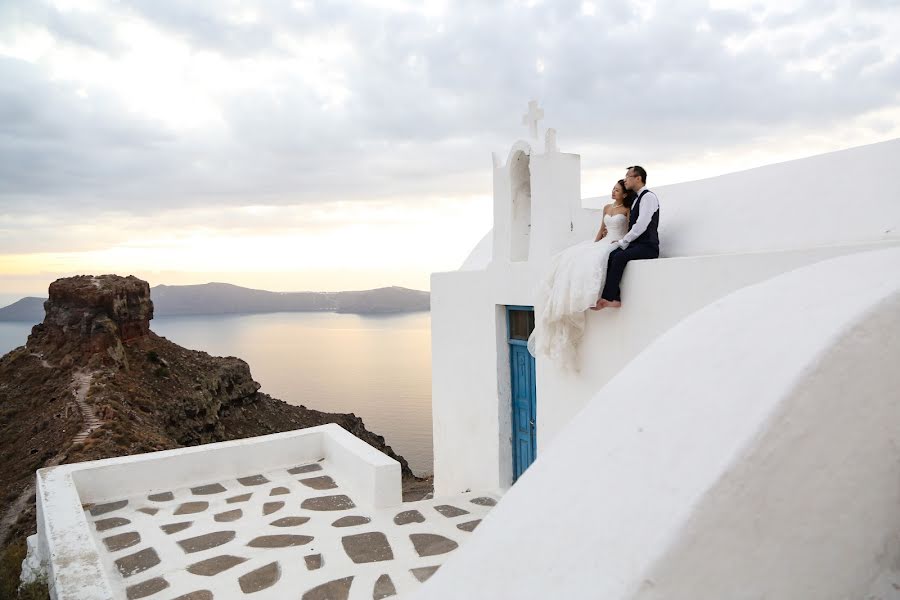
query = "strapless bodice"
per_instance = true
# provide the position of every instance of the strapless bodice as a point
(616, 226)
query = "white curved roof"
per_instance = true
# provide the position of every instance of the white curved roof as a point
(480, 256)
(842, 197)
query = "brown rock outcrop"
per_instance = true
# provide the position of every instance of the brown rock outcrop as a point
(91, 317)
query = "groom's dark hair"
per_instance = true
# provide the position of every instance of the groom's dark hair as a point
(639, 171)
(629, 194)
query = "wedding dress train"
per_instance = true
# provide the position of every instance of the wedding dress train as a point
(572, 285)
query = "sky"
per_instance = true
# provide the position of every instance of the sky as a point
(310, 145)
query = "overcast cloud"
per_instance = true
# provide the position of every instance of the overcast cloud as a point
(139, 108)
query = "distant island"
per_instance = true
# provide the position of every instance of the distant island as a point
(224, 298)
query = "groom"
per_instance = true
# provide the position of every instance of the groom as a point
(641, 242)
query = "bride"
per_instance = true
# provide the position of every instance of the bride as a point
(574, 282)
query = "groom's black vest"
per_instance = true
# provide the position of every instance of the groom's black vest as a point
(651, 234)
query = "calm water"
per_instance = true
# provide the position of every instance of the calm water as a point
(13, 335)
(376, 367)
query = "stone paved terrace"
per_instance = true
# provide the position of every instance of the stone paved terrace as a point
(272, 535)
(329, 526)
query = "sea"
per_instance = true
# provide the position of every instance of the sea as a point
(377, 367)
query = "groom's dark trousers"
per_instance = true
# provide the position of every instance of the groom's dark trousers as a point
(618, 258)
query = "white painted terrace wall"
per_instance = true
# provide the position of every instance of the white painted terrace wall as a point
(63, 533)
(470, 380)
(471, 408)
(749, 452)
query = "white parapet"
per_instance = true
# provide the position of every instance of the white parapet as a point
(65, 543)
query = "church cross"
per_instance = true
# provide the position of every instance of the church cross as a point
(532, 117)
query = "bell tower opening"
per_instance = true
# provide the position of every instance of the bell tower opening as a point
(520, 221)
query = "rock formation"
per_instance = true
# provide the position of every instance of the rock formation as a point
(93, 370)
(92, 317)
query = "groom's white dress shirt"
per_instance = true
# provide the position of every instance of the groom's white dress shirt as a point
(649, 205)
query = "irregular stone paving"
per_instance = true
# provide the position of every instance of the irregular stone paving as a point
(230, 539)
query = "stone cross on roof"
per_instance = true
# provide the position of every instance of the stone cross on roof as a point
(531, 118)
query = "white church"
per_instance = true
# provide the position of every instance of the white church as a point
(732, 432)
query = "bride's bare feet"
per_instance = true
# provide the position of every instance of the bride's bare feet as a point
(601, 304)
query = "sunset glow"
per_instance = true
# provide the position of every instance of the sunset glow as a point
(293, 146)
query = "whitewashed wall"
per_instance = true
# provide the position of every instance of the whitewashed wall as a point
(656, 296)
(556, 202)
(750, 452)
(470, 365)
(470, 387)
(723, 235)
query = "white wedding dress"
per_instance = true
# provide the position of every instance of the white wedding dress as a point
(572, 286)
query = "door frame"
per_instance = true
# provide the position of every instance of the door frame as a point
(533, 391)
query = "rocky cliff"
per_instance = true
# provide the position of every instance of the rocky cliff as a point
(93, 381)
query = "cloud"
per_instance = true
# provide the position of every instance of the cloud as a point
(147, 106)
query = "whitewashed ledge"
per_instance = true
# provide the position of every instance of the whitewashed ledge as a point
(66, 545)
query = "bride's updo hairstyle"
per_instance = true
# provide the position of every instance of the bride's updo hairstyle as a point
(629, 194)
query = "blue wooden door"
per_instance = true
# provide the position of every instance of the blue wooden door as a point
(524, 399)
